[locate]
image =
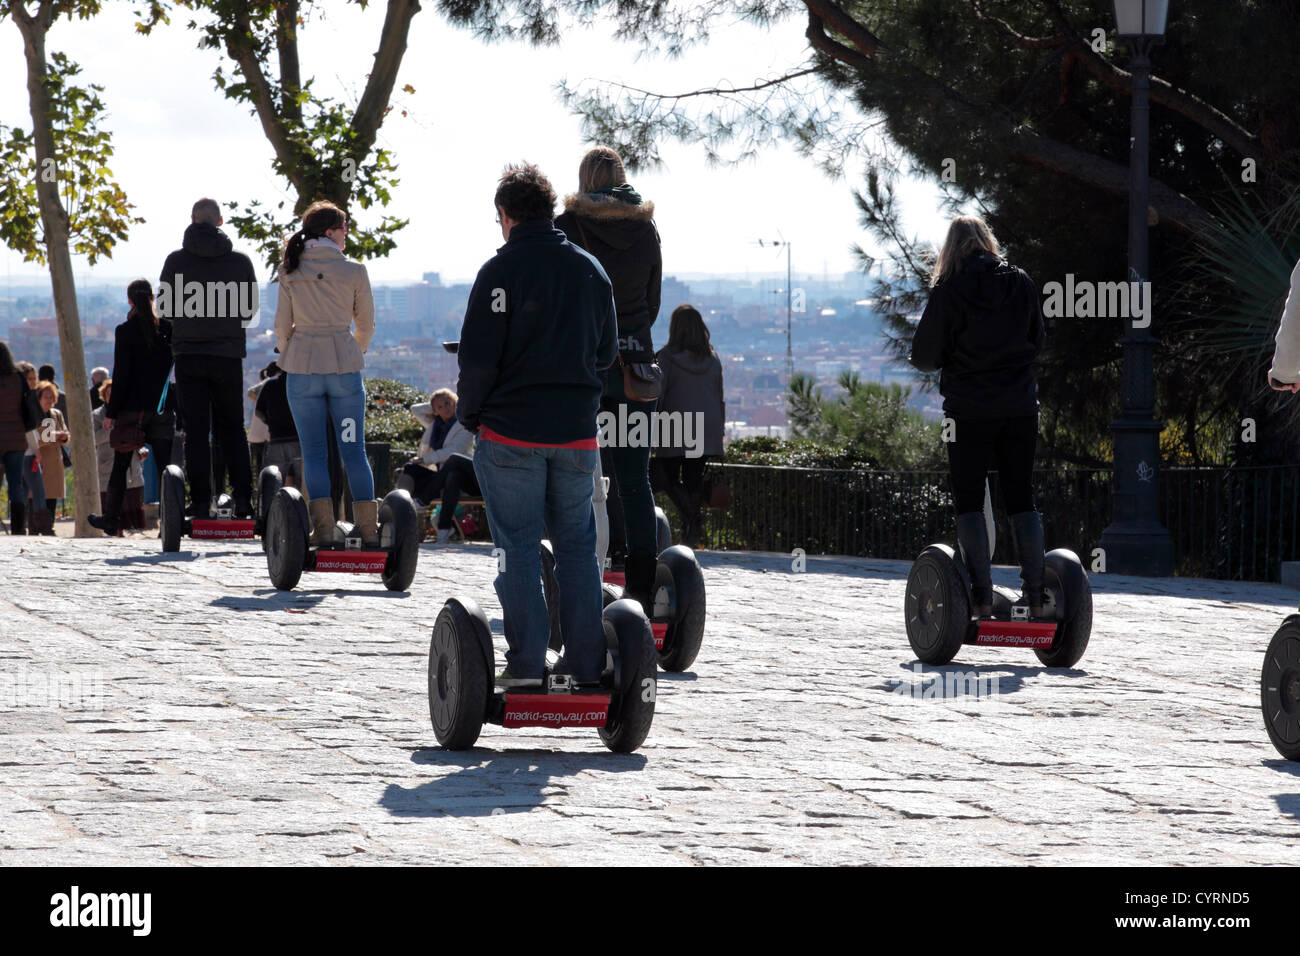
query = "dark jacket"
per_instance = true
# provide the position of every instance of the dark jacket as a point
(206, 256)
(139, 372)
(693, 383)
(982, 328)
(539, 329)
(625, 242)
(273, 408)
(17, 414)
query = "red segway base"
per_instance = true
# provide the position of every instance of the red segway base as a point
(660, 630)
(356, 562)
(556, 710)
(221, 528)
(1036, 634)
(615, 577)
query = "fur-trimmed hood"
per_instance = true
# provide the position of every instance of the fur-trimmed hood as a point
(607, 207)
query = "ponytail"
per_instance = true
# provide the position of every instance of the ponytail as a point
(140, 293)
(320, 218)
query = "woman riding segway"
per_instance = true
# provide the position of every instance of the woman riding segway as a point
(982, 329)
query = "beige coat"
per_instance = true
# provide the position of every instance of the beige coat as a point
(319, 302)
(51, 456)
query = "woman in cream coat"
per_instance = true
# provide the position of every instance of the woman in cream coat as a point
(324, 322)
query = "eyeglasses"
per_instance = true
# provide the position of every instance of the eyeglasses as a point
(498, 220)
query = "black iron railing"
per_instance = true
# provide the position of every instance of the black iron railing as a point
(1236, 523)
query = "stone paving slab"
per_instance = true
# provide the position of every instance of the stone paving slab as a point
(178, 709)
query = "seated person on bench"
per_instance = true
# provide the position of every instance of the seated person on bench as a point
(444, 464)
(282, 448)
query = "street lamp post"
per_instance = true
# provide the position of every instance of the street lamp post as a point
(1136, 542)
(789, 311)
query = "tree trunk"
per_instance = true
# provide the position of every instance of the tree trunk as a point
(54, 220)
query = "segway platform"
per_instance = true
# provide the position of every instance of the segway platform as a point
(289, 552)
(223, 525)
(462, 697)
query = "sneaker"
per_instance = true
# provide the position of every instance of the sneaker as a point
(509, 681)
(444, 535)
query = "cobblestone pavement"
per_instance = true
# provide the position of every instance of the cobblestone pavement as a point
(180, 710)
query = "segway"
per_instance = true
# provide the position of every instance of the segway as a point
(1279, 689)
(223, 525)
(938, 608)
(289, 552)
(462, 697)
(677, 622)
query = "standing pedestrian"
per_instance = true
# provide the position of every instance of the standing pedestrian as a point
(608, 219)
(324, 321)
(692, 389)
(209, 344)
(18, 435)
(539, 330)
(982, 329)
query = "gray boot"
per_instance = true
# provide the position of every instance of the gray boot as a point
(1028, 529)
(973, 539)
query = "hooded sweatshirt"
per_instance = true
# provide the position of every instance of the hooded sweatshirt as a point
(622, 237)
(207, 256)
(982, 328)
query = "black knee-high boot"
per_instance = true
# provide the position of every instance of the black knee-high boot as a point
(17, 517)
(1028, 528)
(639, 572)
(973, 537)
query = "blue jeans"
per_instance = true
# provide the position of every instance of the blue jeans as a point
(529, 492)
(331, 401)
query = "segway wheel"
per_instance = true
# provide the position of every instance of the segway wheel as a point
(268, 483)
(460, 681)
(679, 572)
(1064, 574)
(285, 541)
(551, 587)
(1279, 689)
(171, 509)
(399, 535)
(937, 606)
(663, 530)
(632, 705)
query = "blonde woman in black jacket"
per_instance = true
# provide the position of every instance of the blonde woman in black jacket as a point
(982, 329)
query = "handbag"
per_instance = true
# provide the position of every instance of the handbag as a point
(642, 381)
(719, 492)
(127, 433)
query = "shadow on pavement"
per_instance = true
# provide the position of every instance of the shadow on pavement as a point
(161, 558)
(1288, 803)
(268, 600)
(490, 782)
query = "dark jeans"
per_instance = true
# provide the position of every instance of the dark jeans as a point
(1007, 444)
(631, 503)
(210, 391)
(13, 476)
(530, 492)
(453, 476)
(158, 432)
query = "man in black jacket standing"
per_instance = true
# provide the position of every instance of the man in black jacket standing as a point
(540, 328)
(210, 293)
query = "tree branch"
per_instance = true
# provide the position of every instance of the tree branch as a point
(239, 46)
(373, 104)
(286, 43)
(1028, 42)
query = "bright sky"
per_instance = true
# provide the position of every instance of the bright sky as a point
(476, 107)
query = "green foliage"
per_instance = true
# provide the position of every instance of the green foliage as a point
(324, 148)
(388, 412)
(99, 215)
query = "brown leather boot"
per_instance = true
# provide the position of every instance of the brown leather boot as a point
(322, 522)
(367, 515)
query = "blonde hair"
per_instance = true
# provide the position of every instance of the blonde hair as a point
(966, 235)
(600, 169)
(443, 393)
(105, 386)
(43, 387)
